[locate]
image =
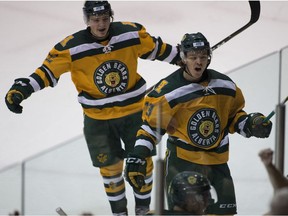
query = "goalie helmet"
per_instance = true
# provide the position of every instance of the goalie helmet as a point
(189, 186)
(194, 42)
(94, 8)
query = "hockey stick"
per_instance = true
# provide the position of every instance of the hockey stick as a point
(273, 112)
(255, 14)
(60, 211)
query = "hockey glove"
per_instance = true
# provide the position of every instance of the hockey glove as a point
(135, 170)
(255, 127)
(20, 90)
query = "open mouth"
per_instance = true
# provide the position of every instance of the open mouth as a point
(102, 30)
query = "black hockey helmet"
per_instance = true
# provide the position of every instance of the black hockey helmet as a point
(186, 184)
(194, 42)
(92, 8)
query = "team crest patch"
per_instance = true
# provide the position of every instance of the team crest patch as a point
(191, 180)
(102, 158)
(204, 128)
(111, 77)
(112, 185)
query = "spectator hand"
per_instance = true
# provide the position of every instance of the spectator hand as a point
(135, 170)
(19, 91)
(266, 156)
(256, 127)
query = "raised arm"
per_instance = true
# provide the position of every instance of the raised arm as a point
(276, 178)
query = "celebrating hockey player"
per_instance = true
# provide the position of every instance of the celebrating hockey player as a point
(102, 60)
(199, 108)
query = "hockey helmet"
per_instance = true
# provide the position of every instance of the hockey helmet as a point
(94, 8)
(185, 185)
(194, 42)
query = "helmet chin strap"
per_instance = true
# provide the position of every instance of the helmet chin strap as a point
(185, 67)
(187, 71)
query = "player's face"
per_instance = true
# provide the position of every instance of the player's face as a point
(196, 62)
(99, 25)
(197, 203)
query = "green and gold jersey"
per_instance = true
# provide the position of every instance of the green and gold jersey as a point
(104, 72)
(197, 116)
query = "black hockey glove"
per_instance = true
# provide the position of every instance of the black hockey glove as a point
(20, 90)
(135, 170)
(255, 127)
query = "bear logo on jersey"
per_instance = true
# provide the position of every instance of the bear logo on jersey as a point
(111, 77)
(204, 128)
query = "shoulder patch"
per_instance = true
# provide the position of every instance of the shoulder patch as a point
(129, 23)
(160, 86)
(66, 40)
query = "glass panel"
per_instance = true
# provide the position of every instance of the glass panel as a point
(284, 74)
(64, 176)
(259, 84)
(283, 95)
(10, 190)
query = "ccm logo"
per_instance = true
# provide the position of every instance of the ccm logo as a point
(233, 205)
(136, 161)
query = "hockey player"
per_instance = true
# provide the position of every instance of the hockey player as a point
(199, 108)
(188, 194)
(102, 60)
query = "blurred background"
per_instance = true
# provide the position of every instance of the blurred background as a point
(44, 162)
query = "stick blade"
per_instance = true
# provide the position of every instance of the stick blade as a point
(255, 11)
